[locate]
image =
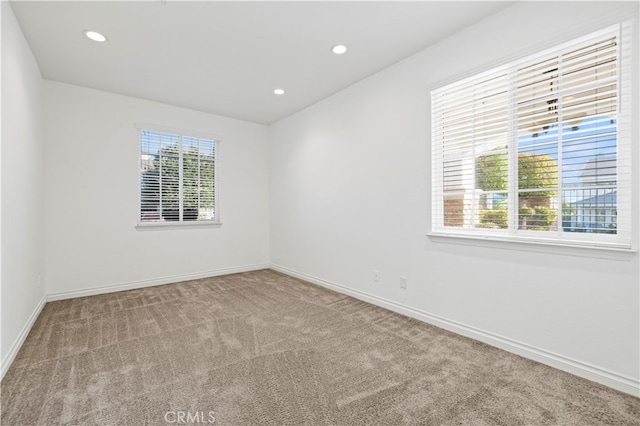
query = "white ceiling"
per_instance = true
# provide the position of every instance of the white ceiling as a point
(227, 57)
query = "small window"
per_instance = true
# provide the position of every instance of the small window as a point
(177, 178)
(538, 149)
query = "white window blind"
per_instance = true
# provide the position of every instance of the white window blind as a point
(177, 178)
(538, 149)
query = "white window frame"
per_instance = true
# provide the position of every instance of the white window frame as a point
(215, 222)
(624, 240)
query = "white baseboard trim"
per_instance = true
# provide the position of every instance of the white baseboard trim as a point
(17, 344)
(590, 372)
(131, 285)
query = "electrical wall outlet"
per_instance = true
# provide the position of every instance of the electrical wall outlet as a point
(376, 275)
(403, 282)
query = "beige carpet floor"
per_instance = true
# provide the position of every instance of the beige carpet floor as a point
(262, 348)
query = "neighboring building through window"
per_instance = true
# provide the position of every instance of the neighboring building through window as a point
(177, 178)
(539, 148)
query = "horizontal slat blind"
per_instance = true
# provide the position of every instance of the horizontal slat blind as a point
(198, 165)
(535, 148)
(177, 178)
(471, 120)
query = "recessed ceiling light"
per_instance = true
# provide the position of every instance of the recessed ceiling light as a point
(279, 91)
(339, 49)
(95, 36)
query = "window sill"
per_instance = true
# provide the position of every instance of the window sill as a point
(157, 226)
(547, 247)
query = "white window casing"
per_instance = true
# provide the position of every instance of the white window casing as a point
(178, 178)
(527, 151)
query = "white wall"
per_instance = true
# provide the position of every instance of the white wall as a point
(22, 192)
(91, 199)
(349, 193)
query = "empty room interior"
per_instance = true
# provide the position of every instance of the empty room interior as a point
(340, 213)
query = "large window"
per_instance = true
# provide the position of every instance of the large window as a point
(177, 178)
(538, 149)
